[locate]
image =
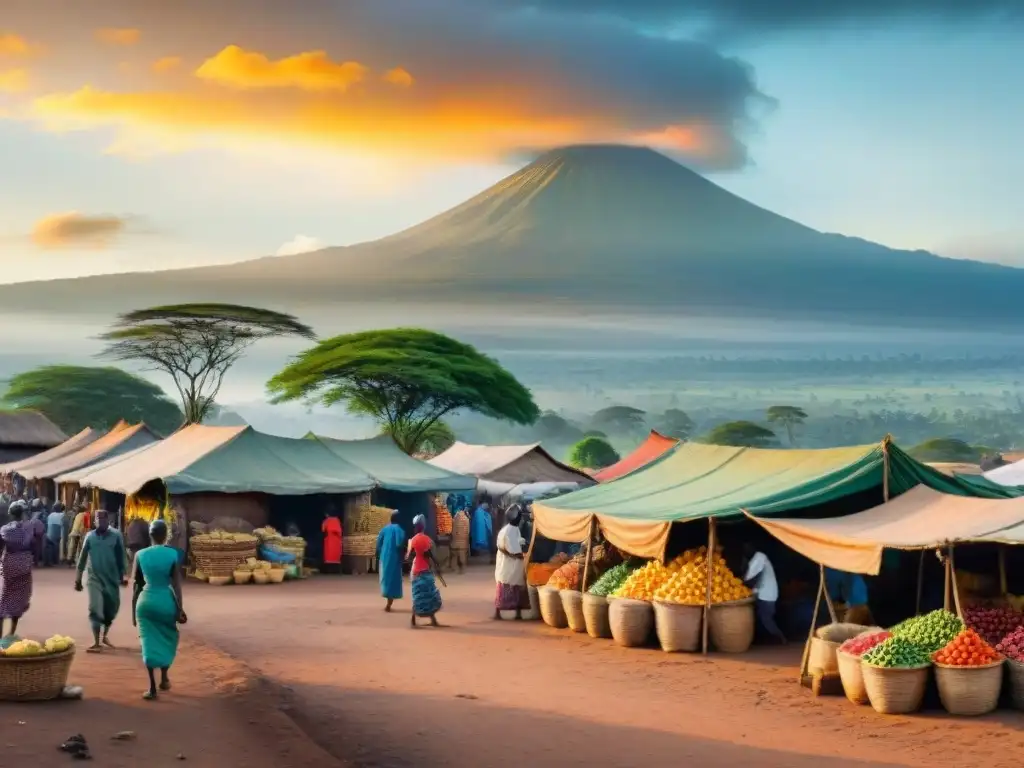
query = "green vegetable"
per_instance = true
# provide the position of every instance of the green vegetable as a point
(930, 632)
(897, 652)
(612, 579)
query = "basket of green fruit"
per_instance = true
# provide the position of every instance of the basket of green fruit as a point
(895, 676)
(595, 601)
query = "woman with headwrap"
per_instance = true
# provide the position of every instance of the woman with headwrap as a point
(156, 605)
(390, 547)
(426, 598)
(17, 554)
(509, 568)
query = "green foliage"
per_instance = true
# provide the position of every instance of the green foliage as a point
(551, 427)
(438, 438)
(592, 453)
(947, 449)
(788, 416)
(406, 379)
(675, 423)
(742, 434)
(195, 344)
(74, 397)
(619, 420)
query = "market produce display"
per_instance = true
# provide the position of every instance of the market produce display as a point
(993, 623)
(931, 631)
(688, 581)
(223, 537)
(270, 535)
(252, 564)
(645, 581)
(968, 649)
(443, 517)
(858, 646)
(1013, 645)
(612, 579)
(22, 648)
(897, 652)
(567, 576)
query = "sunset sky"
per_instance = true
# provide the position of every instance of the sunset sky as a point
(137, 134)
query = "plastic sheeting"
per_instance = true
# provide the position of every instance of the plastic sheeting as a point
(655, 446)
(513, 464)
(393, 469)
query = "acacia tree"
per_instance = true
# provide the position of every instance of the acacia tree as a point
(407, 379)
(74, 397)
(788, 416)
(437, 439)
(593, 453)
(195, 344)
(741, 434)
(619, 419)
(675, 423)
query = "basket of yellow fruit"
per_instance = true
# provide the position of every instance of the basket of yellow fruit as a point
(551, 609)
(572, 604)
(33, 671)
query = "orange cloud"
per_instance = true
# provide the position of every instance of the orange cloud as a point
(118, 35)
(15, 45)
(399, 76)
(13, 81)
(76, 230)
(310, 71)
(166, 64)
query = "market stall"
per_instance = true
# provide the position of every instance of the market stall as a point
(652, 448)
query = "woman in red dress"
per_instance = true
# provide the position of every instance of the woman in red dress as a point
(331, 530)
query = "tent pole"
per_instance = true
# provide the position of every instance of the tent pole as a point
(920, 583)
(1002, 571)
(828, 597)
(948, 583)
(529, 550)
(710, 561)
(885, 469)
(590, 554)
(956, 590)
(814, 626)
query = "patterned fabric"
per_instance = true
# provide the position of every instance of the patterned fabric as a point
(511, 597)
(460, 530)
(426, 598)
(16, 570)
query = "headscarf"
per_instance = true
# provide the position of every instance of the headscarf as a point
(419, 523)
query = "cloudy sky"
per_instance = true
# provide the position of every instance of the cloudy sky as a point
(137, 134)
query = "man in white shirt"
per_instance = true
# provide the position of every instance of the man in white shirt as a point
(760, 577)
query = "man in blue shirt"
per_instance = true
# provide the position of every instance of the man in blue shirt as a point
(54, 533)
(481, 528)
(852, 589)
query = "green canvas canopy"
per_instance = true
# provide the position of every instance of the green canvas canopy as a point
(695, 481)
(393, 469)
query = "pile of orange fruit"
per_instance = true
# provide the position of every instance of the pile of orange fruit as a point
(967, 649)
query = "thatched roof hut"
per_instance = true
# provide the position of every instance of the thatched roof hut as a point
(26, 433)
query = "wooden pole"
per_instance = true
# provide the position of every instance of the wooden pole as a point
(947, 587)
(920, 583)
(885, 469)
(814, 626)
(707, 593)
(956, 591)
(529, 550)
(828, 597)
(590, 553)
(1002, 571)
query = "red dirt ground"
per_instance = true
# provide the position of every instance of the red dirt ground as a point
(333, 672)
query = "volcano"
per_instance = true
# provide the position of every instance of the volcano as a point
(602, 226)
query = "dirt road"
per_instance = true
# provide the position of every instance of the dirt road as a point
(370, 691)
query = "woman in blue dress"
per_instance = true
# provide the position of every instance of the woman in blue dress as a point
(156, 606)
(390, 554)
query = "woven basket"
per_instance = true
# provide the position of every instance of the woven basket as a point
(572, 604)
(731, 625)
(969, 691)
(277, 575)
(823, 656)
(1016, 670)
(242, 577)
(198, 545)
(595, 614)
(534, 613)
(853, 680)
(260, 577)
(551, 609)
(678, 626)
(35, 678)
(895, 690)
(221, 562)
(361, 545)
(630, 621)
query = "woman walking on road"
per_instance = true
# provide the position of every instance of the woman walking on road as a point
(390, 546)
(17, 554)
(509, 568)
(426, 598)
(157, 606)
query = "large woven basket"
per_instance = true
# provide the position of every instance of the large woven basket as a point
(534, 613)
(1016, 670)
(731, 625)
(220, 562)
(551, 609)
(572, 604)
(595, 614)
(969, 691)
(895, 690)
(678, 626)
(34, 678)
(198, 545)
(630, 621)
(823, 656)
(853, 680)
(361, 545)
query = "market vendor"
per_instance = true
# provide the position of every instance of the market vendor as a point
(851, 589)
(760, 576)
(481, 528)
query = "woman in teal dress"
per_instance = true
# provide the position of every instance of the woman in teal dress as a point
(156, 605)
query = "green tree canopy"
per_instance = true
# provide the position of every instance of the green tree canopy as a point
(788, 416)
(74, 397)
(619, 420)
(947, 449)
(675, 423)
(553, 428)
(195, 344)
(438, 438)
(406, 379)
(593, 453)
(744, 434)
